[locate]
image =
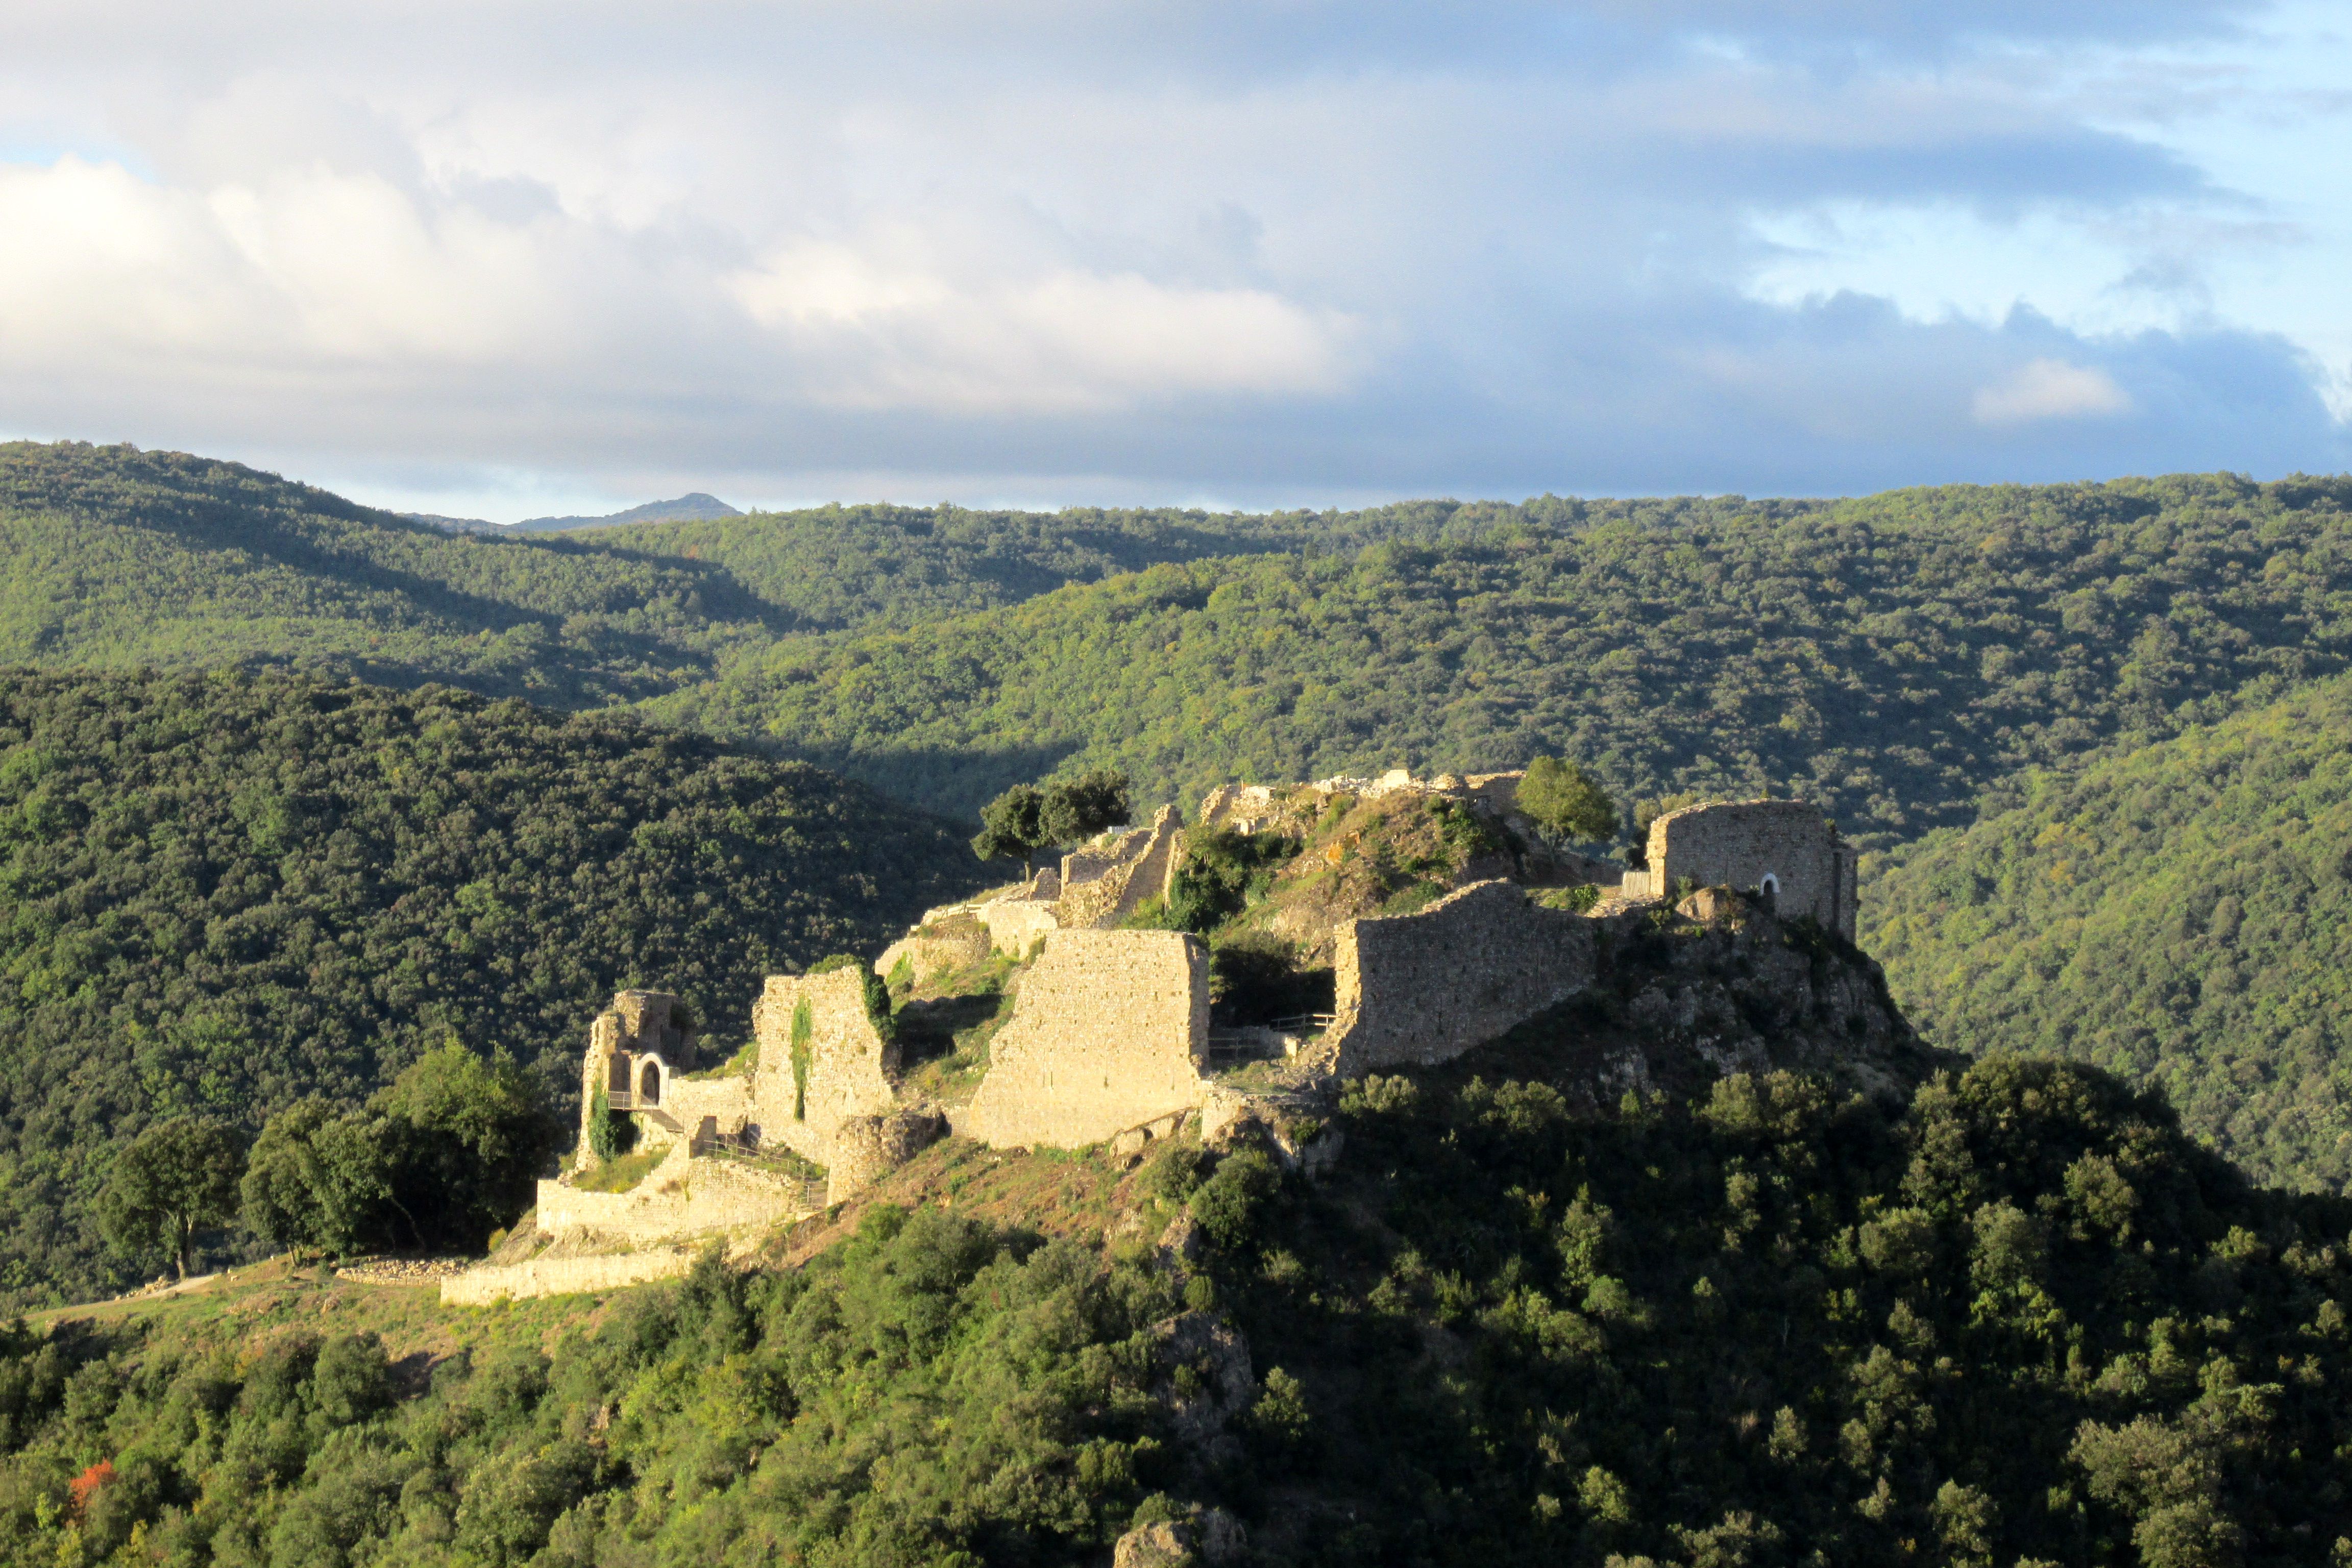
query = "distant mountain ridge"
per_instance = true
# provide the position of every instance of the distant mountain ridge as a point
(695, 507)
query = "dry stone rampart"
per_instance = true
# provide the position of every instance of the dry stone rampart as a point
(1782, 845)
(1425, 987)
(488, 1284)
(680, 1197)
(1015, 924)
(1106, 1034)
(822, 1060)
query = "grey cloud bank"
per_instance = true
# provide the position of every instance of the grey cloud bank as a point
(501, 259)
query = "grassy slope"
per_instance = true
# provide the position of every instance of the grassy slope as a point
(219, 894)
(1887, 656)
(2180, 914)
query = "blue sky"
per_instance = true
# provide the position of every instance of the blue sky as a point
(499, 258)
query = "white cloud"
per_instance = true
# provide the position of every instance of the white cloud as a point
(876, 336)
(1269, 254)
(2050, 389)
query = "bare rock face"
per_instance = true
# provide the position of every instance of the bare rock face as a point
(1212, 1536)
(1683, 995)
(1202, 1367)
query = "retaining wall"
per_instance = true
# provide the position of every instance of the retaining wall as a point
(1425, 987)
(484, 1286)
(682, 1197)
(1106, 1034)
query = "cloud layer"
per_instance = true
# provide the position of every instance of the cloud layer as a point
(490, 256)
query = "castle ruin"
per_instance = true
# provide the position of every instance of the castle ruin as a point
(1109, 1037)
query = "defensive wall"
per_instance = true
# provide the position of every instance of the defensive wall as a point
(1783, 847)
(491, 1283)
(1107, 1033)
(822, 1060)
(681, 1196)
(1425, 987)
(868, 1148)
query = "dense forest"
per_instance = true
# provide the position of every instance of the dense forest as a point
(219, 894)
(2180, 914)
(1887, 657)
(2019, 1320)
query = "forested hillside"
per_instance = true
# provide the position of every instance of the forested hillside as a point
(1887, 656)
(2180, 914)
(2020, 1321)
(219, 894)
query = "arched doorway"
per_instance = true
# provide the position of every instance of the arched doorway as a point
(649, 1084)
(1770, 888)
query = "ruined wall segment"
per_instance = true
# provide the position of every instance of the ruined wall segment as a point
(1785, 844)
(1103, 885)
(1106, 1034)
(1424, 988)
(821, 1060)
(638, 1025)
(868, 1148)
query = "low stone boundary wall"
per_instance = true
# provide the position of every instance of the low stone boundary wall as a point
(562, 1277)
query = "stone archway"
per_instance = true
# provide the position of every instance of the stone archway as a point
(649, 1084)
(1770, 888)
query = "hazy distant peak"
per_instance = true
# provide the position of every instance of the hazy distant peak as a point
(685, 509)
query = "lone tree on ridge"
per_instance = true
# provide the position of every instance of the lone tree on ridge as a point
(1025, 818)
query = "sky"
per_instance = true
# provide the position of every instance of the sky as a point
(501, 259)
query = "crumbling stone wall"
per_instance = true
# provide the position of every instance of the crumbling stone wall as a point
(1106, 1034)
(1103, 886)
(956, 941)
(821, 1060)
(1785, 844)
(487, 1285)
(682, 1197)
(638, 1023)
(868, 1148)
(1425, 987)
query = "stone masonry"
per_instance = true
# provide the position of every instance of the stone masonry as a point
(1425, 987)
(822, 1060)
(1107, 1034)
(635, 1049)
(1783, 847)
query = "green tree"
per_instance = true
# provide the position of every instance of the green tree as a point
(1566, 802)
(1078, 808)
(315, 1181)
(1012, 826)
(176, 1178)
(464, 1139)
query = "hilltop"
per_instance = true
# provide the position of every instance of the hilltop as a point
(2179, 913)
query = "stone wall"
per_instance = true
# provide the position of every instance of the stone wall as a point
(845, 1069)
(1102, 887)
(710, 1108)
(1786, 844)
(868, 1148)
(487, 1285)
(1425, 987)
(1015, 924)
(1106, 1034)
(955, 942)
(681, 1197)
(638, 1023)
